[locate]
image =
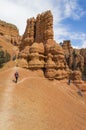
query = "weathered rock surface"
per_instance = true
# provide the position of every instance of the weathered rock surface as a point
(38, 30)
(73, 57)
(55, 63)
(44, 27)
(38, 49)
(41, 51)
(76, 76)
(28, 36)
(9, 32)
(83, 54)
(36, 56)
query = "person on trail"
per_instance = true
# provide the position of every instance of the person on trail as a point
(16, 76)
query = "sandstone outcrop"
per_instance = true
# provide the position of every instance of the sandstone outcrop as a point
(55, 64)
(83, 53)
(28, 36)
(36, 56)
(68, 49)
(44, 27)
(38, 30)
(41, 51)
(73, 57)
(9, 32)
(76, 76)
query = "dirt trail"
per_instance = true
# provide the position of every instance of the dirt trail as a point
(6, 104)
(12, 109)
(35, 103)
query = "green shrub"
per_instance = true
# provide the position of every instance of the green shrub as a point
(7, 56)
(4, 57)
(1, 53)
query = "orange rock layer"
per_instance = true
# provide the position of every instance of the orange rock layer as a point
(9, 32)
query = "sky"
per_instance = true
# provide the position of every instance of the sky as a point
(69, 17)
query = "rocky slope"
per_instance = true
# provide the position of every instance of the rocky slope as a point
(9, 38)
(35, 103)
(9, 32)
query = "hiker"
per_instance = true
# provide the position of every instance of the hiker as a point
(16, 76)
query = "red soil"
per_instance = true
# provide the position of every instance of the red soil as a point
(36, 103)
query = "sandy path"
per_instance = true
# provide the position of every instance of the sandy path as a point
(6, 103)
(16, 113)
(35, 103)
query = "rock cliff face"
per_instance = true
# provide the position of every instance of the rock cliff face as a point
(55, 64)
(73, 57)
(38, 30)
(9, 32)
(28, 36)
(83, 54)
(39, 50)
(44, 27)
(36, 56)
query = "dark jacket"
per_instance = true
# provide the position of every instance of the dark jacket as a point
(16, 75)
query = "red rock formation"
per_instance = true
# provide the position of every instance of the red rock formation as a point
(42, 52)
(55, 64)
(36, 56)
(76, 76)
(9, 32)
(38, 30)
(73, 57)
(83, 53)
(44, 27)
(68, 49)
(28, 36)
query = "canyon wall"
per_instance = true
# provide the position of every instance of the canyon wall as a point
(9, 32)
(39, 50)
(38, 30)
(73, 56)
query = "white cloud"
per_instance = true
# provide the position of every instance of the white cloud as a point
(78, 38)
(81, 37)
(68, 8)
(18, 11)
(84, 44)
(73, 10)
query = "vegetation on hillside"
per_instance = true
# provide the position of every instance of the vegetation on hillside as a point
(4, 57)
